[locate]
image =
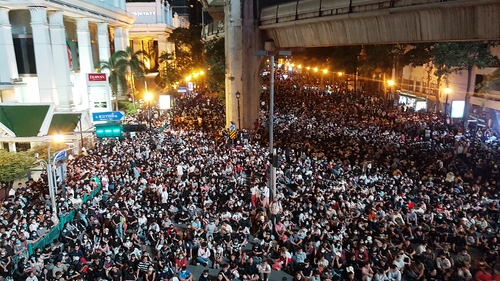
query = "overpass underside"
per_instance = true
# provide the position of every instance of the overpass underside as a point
(317, 23)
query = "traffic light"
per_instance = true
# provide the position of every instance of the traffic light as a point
(108, 130)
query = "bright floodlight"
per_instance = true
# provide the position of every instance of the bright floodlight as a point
(325, 71)
(447, 90)
(58, 138)
(340, 73)
(390, 83)
(148, 96)
(315, 69)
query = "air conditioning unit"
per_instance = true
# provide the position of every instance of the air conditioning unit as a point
(16, 80)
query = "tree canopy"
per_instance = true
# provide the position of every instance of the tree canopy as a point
(454, 57)
(14, 166)
(216, 64)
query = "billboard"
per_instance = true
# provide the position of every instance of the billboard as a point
(99, 95)
(164, 102)
(457, 109)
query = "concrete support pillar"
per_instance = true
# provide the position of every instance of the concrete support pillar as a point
(125, 38)
(242, 38)
(86, 60)
(136, 45)
(43, 54)
(84, 45)
(8, 59)
(12, 147)
(61, 61)
(118, 33)
(162, 44)
(103, 41)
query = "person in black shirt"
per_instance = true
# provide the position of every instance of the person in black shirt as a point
(121, 258)
(250, 271)
(133, 262)
(129, 275)
(306, 269)
(204, 276)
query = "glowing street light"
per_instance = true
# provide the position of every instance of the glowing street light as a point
(447, 91)
(188, 78)
(390, 83)
(299, 66)
(51, 172)
(325, 71)
(315, 69)
(340, 73)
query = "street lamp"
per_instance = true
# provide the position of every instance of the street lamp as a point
(148, 97)
(272, 177)
(447, 91)
(238, 95)
(389, 83)
(51, 173)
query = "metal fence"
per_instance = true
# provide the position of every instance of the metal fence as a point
(54, 233)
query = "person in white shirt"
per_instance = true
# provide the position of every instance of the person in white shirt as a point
(264, 196)
(32, 277)
(394, 274)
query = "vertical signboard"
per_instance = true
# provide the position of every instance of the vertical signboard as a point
(99, 95)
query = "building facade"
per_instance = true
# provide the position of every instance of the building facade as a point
(48, 49)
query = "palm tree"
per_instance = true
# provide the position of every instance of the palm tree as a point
(168, 72)
(120, 65)
(116, 65)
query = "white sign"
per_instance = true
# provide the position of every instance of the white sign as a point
(164, 102)
(99, 94)
(190, 86)
(421, 105)
(144, 13)
(457, 109)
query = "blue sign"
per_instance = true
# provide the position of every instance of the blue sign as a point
(59, 155)
(108, 116)
(232, 127)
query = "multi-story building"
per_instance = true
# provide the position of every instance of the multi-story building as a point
(48, 49)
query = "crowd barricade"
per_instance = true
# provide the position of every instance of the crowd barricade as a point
(55, 231)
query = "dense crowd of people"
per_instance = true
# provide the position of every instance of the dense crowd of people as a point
(365, 191)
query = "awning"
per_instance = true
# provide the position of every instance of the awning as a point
(23, 120)
(63, 123)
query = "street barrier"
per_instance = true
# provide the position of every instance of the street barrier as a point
(54, 233)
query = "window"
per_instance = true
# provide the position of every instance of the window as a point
(25, 55)
(479, 80)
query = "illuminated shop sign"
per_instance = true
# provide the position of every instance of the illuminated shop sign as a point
(145, 13)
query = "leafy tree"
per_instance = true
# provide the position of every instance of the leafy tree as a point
(216, 64)
(122, 64)
(13, 166)
(454, 57)
(378, 60)
(116, 65)
(189, 53)
(168, 72)
(490, 82)
(416, 55)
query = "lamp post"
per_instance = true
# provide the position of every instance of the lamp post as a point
(447, 91)
(272, 177)
(238, 95)
(148, 97)
(390, 83)
(51, 173)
